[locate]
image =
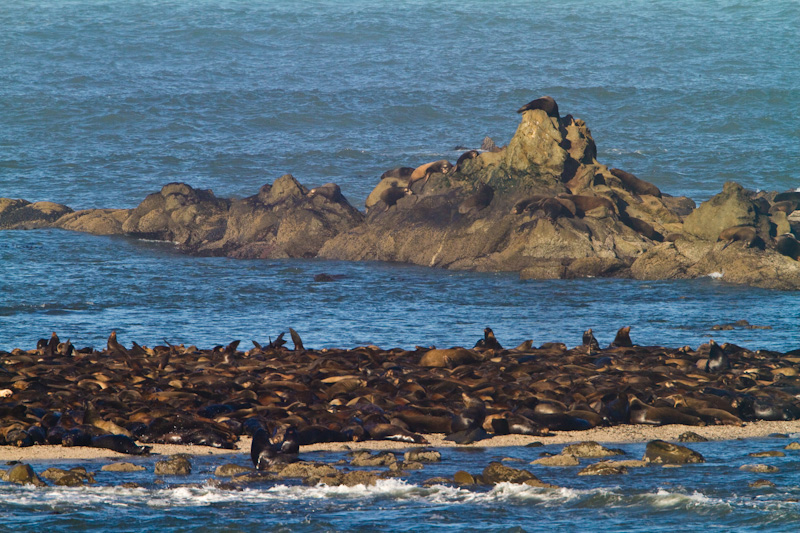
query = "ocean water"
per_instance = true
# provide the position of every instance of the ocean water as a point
(103, 102)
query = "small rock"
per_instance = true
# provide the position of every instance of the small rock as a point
(306, 470)
(409, 465)
(603, 468)
(659, 451)
(71, 479)
(760, 468)
(230, 470)
(130, 485)
(534, 444)
(512, 460)
(497, 472)
(436, 481)
(760, 484)
(366, 459)
(423, 456)
(122, 467)
(351, 479)
(23, 474)
(463, 478)
(691, 436)
(773, 453)
(793, 446)
(557, 460)
(175, 465)
(590, 449)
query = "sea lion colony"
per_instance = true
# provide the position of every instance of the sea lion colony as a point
(58, 394)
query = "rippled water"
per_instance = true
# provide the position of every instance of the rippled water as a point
(103, 102)
(713, 494)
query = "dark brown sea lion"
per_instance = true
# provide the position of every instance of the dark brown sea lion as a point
(585, 203)
(634, 184)
(466, 156)
(479, 200)
(489, 341)
(331, 191)
(643, 228)
(120, 443)
(523, 204)
(423, 172)
(448, 358)
(786, 206)
(545, 103)
(623, 338)
(399, 172)
(788, 245)
(391, 195)
(793, 196)
(717, 359)
(641, 413)
(589, 340)
(745, 234)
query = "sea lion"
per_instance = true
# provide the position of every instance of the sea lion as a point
(120, 443)
(634, 184)
(643, 228)
(480, 200)
(793, 196)
(489, 341)
(466, 156)
(265, 451)
(391, 195)
(584, 204)
(331, 191)
(399, 172)
(549, 208)
(449, 358)
(545, 103)
(471, 416)
(745, 234)
(786, 206)
(788, 245)
(423, 172)
(589, 340)
(523, 204)
(622, 339)
(642, 413)
(717, 359)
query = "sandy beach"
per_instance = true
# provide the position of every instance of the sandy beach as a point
(617, 434)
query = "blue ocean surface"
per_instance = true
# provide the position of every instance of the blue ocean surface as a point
(103, 102)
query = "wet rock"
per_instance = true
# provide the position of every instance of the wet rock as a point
(463, 478)
(407, 465)
(761, 484)
(350, 479)
(497, 472)
(423, 456)
(590, 449)
(793, 446)
(437, 481)
(774, 453)
(123, 467)
(603, 468)
(22, 214)
(732, 207)
(130, 485)
(557, 460)
(365, 458)
(23, 474)
(659, 451)
(760, 468)
(230, 470)
(73, 477)
(691, 436)
(305, 470)
(175, 465)
(94, 221)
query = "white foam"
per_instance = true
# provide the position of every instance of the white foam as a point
(715, 275)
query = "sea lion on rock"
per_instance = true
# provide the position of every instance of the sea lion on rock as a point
(265, 451)
(466, 156)
(545, 103)
(641, 413)
(793, 196)
(788, 245)
(399, 172)
(423, 172)
(634, 184)
(786, 206)
(480, 200)
(522, 205)
(584, 203)
(643, 228)
(331, 191)
(745, 234)
(391, 195)
(589, 340)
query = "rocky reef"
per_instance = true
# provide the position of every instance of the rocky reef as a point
(542, 206)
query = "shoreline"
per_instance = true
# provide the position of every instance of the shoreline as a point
(617, 434)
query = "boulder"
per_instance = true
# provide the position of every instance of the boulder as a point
(22, 214)
(557, 460)
(659, 451)
(732, 207)
(175, 465)
(23, 474)
(590, 449)
(603, 468)
(496, 472)
(122, 467)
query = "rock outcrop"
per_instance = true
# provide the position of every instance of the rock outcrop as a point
(542, 206)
